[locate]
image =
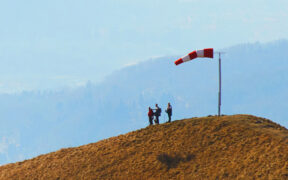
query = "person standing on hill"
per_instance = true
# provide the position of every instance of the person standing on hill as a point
(169, 112)
(150, 115)
(157, 113)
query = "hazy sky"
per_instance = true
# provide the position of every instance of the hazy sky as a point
(57, 43)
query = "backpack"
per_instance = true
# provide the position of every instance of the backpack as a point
(159, 111)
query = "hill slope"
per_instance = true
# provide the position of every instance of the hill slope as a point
(237, 146)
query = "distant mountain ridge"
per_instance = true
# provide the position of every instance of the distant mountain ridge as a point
(229, 147)
(254, 82)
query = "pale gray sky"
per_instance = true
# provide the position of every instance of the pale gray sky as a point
(58, 43)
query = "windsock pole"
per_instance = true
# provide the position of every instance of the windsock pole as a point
(208, 53)
(220, 84)
(219, 95)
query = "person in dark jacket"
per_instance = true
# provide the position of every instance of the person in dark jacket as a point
(150, 115)
(157, 113)
(169, 112)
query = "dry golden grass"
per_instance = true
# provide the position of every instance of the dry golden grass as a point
(232, 147)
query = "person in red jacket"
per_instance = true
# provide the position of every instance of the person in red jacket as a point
(150, 115)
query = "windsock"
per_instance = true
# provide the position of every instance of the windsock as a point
(208, 53)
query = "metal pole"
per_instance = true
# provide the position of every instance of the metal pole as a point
(219, 93)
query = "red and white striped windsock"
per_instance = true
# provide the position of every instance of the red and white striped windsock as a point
(208, 53)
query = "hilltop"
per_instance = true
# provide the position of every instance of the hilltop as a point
(237, 146)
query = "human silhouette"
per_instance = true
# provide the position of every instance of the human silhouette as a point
(169, 112)
(150, 116)
(157, 113)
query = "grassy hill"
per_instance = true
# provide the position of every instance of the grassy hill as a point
(238, 146)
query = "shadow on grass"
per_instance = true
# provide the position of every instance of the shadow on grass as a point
(173, 161)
